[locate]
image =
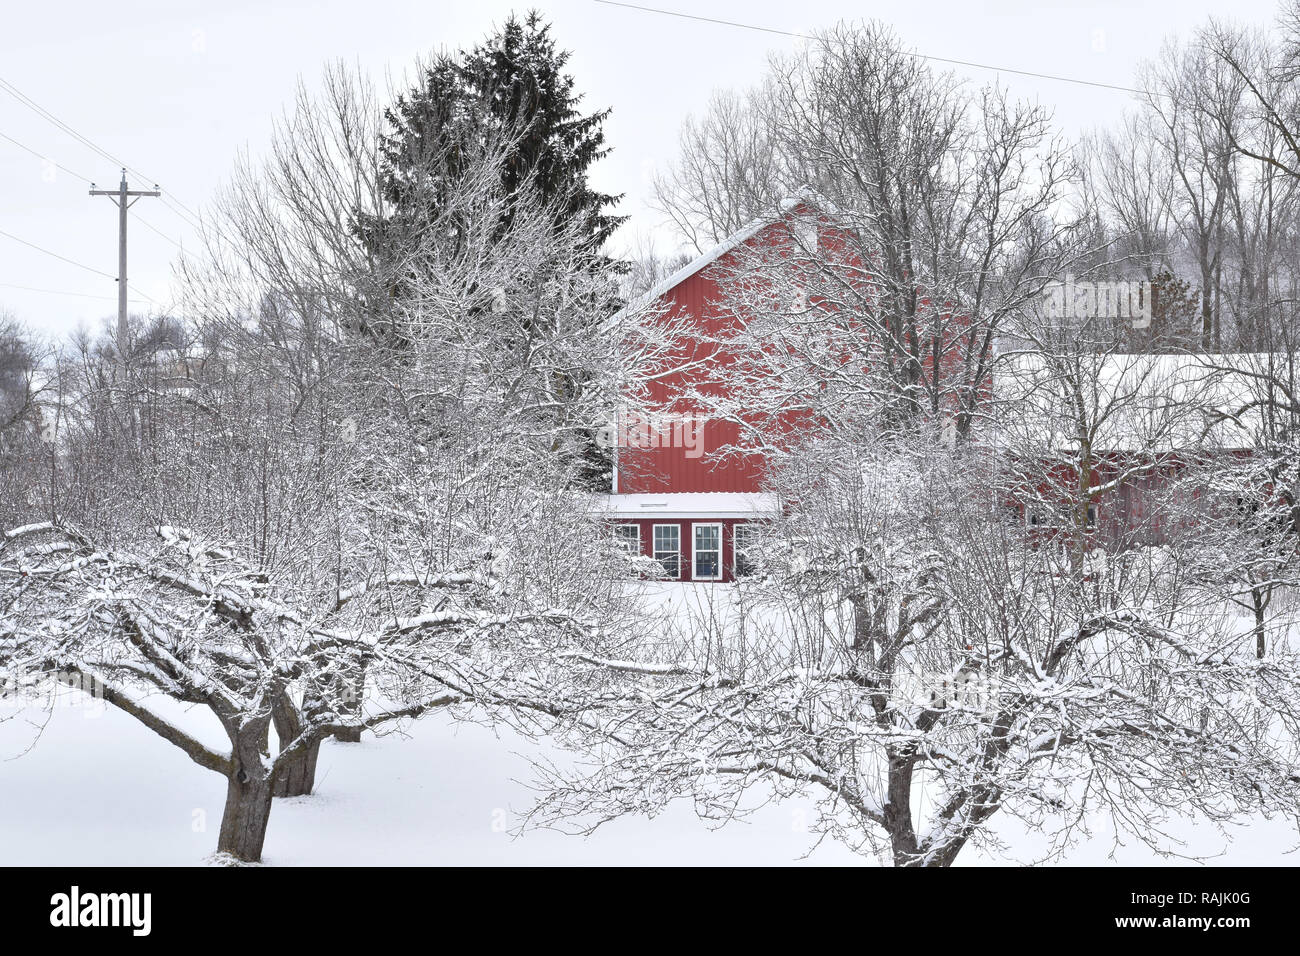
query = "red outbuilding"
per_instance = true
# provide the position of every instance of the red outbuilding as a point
(677, 500)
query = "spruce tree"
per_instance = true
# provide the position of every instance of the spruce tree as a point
(510, 98)
(512, 86)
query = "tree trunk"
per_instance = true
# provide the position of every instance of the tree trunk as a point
(946, 856)
(297, 776)
(351, 690)
(1260, 608)
(247, 811)
(898, 809)
(1207, 307)
(248, 791)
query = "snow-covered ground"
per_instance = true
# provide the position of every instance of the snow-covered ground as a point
(82, 784)
(98, 789)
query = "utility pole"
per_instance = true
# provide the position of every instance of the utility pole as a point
(124, 198)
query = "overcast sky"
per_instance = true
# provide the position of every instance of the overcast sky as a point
(175, 89)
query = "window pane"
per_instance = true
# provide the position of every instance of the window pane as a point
(629, 538)
(707, 551)
(668, 542)
(706, 564)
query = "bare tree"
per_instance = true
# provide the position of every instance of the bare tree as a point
(186, 619)
(1193, 103)
(958, 629)
(944, 200)
(25, 422)
(356, 461)
(730, 169)
(1192, 183)
(937, 667)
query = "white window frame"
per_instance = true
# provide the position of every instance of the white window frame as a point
(624, 540)
(654, 544)
(695, 550)
(1048, 517)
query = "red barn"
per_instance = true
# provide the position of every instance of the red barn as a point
(1153, 419)
(676, 498)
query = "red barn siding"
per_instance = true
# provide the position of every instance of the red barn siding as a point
(701, 297)
(674, 469)
(663, 470)
(671, 469)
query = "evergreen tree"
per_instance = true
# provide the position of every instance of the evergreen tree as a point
(507, 105)
(512, 89)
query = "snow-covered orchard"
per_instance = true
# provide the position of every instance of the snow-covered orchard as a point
(326, 567)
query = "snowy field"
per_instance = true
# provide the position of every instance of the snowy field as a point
(98, 789)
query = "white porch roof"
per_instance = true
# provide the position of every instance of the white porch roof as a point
(690, 505)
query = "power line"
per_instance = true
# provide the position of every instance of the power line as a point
(194, 217)
(192, 221)
(80, 295)
(920, 56)
(44, 159)
(86, 179)
(45, 114)
(73, 262)
(149, 298)
(148, 225)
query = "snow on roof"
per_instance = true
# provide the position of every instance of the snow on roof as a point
(711, 504)
(741, 236)
(1153, 403)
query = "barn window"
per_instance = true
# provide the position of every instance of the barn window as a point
(668, 548)
(628, 538)
(708, 552)
(742, 548)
